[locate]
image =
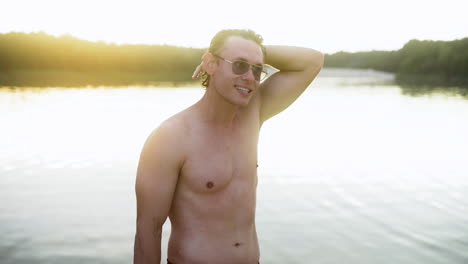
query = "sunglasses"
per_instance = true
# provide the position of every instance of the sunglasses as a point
(240, 67)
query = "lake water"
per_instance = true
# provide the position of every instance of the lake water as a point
(356, 171)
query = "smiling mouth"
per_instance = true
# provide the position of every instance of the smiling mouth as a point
(243, 89)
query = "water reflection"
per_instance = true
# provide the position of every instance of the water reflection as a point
(422, 90)
(431, 80)
(410, 85)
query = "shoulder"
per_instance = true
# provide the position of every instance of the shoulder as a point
(171, 129)
(166, 142)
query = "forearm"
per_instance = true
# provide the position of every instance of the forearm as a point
(287, 58)
(147, 249)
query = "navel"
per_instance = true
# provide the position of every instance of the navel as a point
(237, 244)
(209, 185)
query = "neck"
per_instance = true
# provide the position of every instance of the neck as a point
(216, 110)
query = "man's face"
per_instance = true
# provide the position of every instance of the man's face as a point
(237, 89)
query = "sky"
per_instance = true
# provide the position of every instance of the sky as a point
(328, 25)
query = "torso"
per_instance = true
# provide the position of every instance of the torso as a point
(213, 209)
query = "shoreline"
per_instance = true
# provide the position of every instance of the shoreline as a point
(83, 79)
(80, 79)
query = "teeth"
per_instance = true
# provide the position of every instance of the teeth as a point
(243, 89)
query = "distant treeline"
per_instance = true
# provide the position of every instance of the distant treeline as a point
(46, 58)
(38, 58)
(442, 62)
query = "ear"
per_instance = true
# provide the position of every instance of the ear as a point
(209, 63)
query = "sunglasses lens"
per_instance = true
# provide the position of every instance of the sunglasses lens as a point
(257, 72)
(240, 67)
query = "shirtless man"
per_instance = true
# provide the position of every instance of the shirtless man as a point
(199, 167)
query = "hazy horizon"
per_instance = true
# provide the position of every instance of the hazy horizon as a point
(328, 26)
(186, 46)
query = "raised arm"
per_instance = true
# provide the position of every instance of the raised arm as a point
(297, 69)
(156, 181)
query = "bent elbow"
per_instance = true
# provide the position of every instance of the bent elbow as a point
(315, 62)
(318, 59)
(321, 59)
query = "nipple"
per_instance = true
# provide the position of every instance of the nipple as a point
(209, 185)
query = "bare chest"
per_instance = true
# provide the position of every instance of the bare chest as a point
(217, 164)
